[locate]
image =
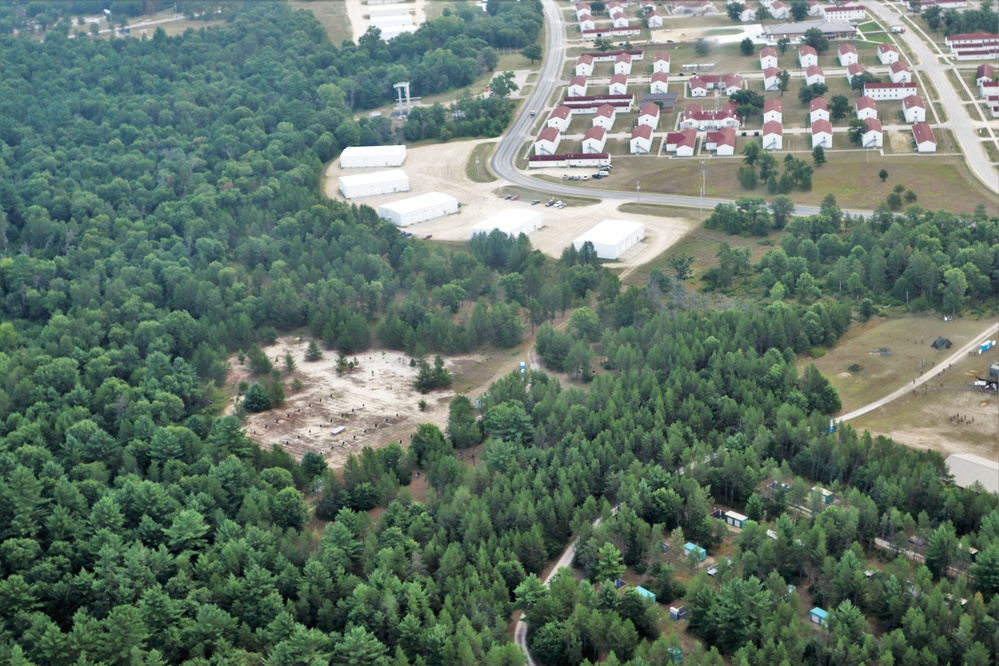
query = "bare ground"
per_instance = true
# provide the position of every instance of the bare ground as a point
(441, 168)
(376, 404)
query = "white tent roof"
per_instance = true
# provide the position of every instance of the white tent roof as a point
(610, 232)
(507, 221)
(374, 151)
(373, 177)
(419, 202)
(968, 468)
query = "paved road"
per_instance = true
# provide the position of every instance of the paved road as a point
(925, 377)
(502, 161)
(960, 121)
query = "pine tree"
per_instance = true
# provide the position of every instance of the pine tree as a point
(256, 399)
(313, 352)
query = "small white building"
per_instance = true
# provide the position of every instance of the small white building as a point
(856, 69)
(746, 14)
(773, 111)
(922, 134)
(620, 21)
(988, 89)
(914, 109)
(768, 57)
(848, 55)
(513, 222)
(807, 56)
(548, 141)
(821, 134)
(420, 208)
(773, 136)
(984, 74)
(722, 142)
(889, 91)
(660, 63)
(586, 22)
(649, 115)
(654, 19)
(619, 84)
(698, 87)
(846, 13)
(369, 157)
(866, 108)
(682, 143)
(779, 11)
(622, 65)
(560, 118)
(584, 65)
(818, 109)
(873, 136)
(595, 140)
(612, 238)
(376, 182)
(641, 140)
(899, 72)
(577, 86)
(814, 74)
(605, 116)
(887, 53)
(582, 8)
(659, 83)
(771, 78)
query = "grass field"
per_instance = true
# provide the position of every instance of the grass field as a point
(477, 168)
(332, 16)
(921, 419)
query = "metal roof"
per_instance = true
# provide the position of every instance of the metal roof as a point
(967, 468)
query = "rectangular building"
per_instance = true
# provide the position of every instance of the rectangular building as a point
(513, 221)
(612, 238)
(367, 157)
(370, 184)
(420, 208)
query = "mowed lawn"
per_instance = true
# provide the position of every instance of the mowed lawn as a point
(938, 182)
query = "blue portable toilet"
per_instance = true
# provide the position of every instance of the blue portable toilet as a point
(818, 616)
(618, 584)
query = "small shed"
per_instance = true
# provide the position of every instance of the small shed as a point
(618, 584)
(677, 612)
(735, 519)
(645, 593)
(818, 616)
(827, 495)
(942, 343)
(696, 551)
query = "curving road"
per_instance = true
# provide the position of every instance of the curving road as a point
(925, 377)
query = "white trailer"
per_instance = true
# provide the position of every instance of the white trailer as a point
(513, 221)
(368, 157)
(376, 182)
(612, 238)
(420, 208)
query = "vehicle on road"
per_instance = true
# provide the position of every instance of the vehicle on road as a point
(428, 237)
(508, 197)
(515, 197)
(536, 202)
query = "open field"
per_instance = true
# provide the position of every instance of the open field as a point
(921, 419)
(332, 16)
(375, 404)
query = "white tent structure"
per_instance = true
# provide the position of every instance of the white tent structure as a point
(514, 221)
(367, 157)
(376, 182)
(420, 208)
(612, 238)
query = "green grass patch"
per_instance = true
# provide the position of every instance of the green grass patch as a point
(477, 168)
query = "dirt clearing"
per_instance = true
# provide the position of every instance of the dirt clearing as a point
(947, 413)
(338, 415)
(442, 168)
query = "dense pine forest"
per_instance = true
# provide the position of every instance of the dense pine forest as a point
(160, 210)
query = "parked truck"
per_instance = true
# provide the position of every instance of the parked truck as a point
(898, 28)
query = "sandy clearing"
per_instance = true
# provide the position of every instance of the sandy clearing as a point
(376, 403)
(357, 11)
(441, 168)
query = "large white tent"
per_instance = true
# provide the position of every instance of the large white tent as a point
(612, 238)
(513, 221)
(377, 182)
(367, 157)
(420, 208)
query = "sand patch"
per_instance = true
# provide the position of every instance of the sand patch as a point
(374, 405)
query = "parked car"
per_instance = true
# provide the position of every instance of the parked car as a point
(536, 202)
(508, 197)
(428, 237)
(515, 197)
(598, 175)
(586, 177)
(551, 202)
